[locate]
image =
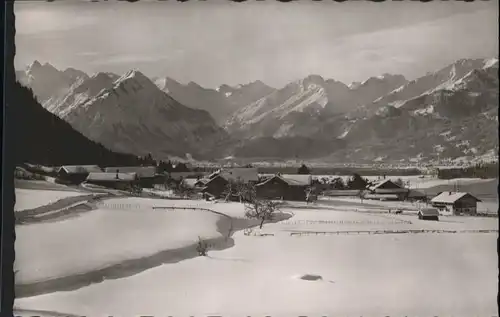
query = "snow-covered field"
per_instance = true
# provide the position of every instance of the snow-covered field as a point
(370, 275)
(121, 230)
(33, 198)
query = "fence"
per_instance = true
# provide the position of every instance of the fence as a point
(411, 231)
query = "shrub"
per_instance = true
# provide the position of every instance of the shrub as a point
(202, 247)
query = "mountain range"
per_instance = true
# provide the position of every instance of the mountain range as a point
(449, 113)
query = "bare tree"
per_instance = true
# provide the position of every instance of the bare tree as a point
(244, 191)
(260, 209)
(184, 191)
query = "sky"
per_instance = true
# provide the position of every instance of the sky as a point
(218, 42)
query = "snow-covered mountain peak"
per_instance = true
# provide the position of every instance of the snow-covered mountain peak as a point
(134, 79)
(36, 64)
(492, 62)
(354, 85)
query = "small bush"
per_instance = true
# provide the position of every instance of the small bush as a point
(202, 247)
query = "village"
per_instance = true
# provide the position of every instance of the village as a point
(144, 219)
(235, 184)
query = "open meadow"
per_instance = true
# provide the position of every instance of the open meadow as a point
(127, 257)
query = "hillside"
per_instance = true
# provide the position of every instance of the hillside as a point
(47, 82)
(43, 138)
(220, 103)
(452, 113)
(295, 109)
(134, 115)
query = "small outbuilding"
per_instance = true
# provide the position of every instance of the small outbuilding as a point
(456, 203)
(428, 214)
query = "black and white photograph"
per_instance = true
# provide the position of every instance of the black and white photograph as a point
(256, 158)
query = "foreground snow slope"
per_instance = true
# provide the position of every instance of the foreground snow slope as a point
(368, 275)
(33, 198)
(362, 275)
(119, 231)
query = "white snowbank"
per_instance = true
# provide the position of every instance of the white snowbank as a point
(123, 229)
(33, 198)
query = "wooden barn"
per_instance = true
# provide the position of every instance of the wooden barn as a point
(456, 203)
(388, 187)
(121, 181)
(146, 175)
(286, 187)
(214, 186)
(76, 174)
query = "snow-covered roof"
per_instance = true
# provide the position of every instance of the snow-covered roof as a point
(297, 179)
(242, 174)
(81, 169)
(450, 197)
(429, 212)
(111, 177)
(141, 171)
(379, 184)
(291, 179)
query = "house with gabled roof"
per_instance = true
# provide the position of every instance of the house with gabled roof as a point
(286, 187)
(388, 188)
(76, 174)
(456, 203)
(214, 186)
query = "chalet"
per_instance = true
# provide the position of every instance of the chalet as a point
(76, 174)
(455, 203)
(388, 187)
(121, 181)
(146, 175)
(286, 187)
(214, 186)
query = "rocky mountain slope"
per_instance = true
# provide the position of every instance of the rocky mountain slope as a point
(295, 109)
(135, 115)
(82, 90)
(47, 82)
(447, 114)
(451, 112)
(220, 103)
(457, 118)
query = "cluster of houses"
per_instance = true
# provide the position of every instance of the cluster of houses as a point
(123, 178)
(295, 187)
(278, 186)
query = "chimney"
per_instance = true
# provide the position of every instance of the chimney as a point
(116, 176)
